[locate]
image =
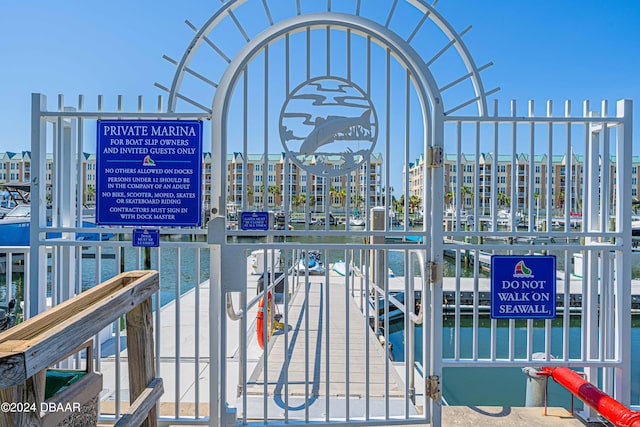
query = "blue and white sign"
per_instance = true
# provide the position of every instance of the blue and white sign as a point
(146, 238)
(523, 287)
(149, 173)
(254, 221)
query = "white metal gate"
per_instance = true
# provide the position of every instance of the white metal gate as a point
(338, 76)
(472, 185)
(544, 184)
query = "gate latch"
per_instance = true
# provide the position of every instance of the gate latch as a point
(434, 271)
(435, 157)
(433, 387)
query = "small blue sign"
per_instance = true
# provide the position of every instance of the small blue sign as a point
(254, 221)
(149, 172)
(523, 287)
(146, 238)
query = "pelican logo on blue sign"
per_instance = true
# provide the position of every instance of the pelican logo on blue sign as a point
(523, 287)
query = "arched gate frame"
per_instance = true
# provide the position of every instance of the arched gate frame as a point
(376, 57)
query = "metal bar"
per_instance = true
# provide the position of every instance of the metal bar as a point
(177, 338)
(385, 282)
(307, 354)
(609, 121)
(367, 370)
(158, 335)
(408, 332)
(605, 185)
(391, 12)
(265, 175)
(267, 11)
(424, 18)
(476, 181)
(532, 162)
(208, 110)
(328, 35)
(476, 319)
(463, 78)
(387, 226)
(196, 376)
(245, 139)
(208, 41)
(446, 47)
(514, 170)
(192, 72)
(287, 292)
(624, 132)
(308, 53)
(238, 25)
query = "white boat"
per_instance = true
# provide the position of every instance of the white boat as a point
(310, 262)
(256, 261)
(15, 225)
(356, 221)
(340, 268)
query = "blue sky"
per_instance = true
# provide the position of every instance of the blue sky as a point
(542, 49)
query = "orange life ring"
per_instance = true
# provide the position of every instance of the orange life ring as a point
(260, 320)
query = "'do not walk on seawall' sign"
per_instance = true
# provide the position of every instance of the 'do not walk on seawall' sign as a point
(149, 172)
(523, 287)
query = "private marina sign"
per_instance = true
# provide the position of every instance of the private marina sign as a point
(149, 172)
(523, 287)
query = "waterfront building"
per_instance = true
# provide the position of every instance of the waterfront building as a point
(250, 186)
(16, 167)
(516, 175)
(257, 187)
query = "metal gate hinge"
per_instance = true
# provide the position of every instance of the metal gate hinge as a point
(434, 270)
(433, 387)
(435, 157)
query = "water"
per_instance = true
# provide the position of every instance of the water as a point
(189, 275)
(500, 386)
(505, 386)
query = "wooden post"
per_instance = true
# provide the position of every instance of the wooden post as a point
(140, 352)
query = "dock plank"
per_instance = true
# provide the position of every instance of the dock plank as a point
(306, 372)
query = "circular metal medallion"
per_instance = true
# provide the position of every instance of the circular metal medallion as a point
(328, 126)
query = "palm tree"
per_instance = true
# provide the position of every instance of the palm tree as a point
(342, 195)
(398, 204)
(274, 190)
(503, 199)
(357, 199)
(298, 200)
(249, 195)
(91, 193)
(464, 191)
(333, 194)
(448, 197)
(414, 203)
(561, 199)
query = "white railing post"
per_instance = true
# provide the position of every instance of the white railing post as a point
(38, 258)
(624, 140)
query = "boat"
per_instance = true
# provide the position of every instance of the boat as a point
(356, 221)
(15, 226)
(635, 225)
(340, 268)
(310, 262)
(256, 261)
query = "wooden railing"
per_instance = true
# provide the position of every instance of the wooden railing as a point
(28, 349)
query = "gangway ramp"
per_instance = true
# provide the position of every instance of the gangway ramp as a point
(325, 328)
